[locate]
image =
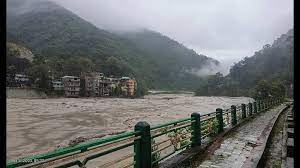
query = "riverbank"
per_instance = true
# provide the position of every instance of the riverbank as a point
(24, 93)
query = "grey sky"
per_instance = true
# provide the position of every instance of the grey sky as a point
(227, 30)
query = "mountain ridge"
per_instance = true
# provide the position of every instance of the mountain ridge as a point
(51, 31)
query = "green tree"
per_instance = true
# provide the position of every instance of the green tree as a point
(141, 89)
(265, 90)
(40, 74)
(77, 65)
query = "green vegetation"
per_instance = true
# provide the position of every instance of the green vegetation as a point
(170, 60)
(218, 85)
(264, 90)
(60, 38)
(40, 75)
(15, 64)
(273, 66)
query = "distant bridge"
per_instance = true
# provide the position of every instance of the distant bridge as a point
(157, 146)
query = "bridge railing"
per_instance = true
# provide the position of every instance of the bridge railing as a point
(82, 153)
(147, 146)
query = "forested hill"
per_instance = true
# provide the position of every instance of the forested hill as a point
(55, 34)
(173, 58)
(273, 64)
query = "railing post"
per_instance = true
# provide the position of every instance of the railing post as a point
(233, 115)
(219, 117)
(142, 147)
(250, 109)
(255, 107)
(196, 127)
(243, 111)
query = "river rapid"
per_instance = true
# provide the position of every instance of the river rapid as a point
(40, 125)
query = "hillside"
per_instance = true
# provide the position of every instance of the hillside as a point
(52, 32)
(168, 54)
(18, 58)
(273, 63)
(21, 51)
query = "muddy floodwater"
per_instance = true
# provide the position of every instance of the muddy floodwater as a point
(40, 125)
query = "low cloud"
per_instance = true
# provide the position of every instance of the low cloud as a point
(214, 28)
(209, 69)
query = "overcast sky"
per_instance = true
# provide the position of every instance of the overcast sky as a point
(227, 30)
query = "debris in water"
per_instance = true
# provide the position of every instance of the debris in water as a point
(77, 141)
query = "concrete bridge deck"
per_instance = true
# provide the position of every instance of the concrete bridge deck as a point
(244, 146)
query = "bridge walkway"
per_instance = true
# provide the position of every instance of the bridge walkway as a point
(245, 145)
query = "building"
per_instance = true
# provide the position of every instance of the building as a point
(106, 87)
(131, 86)
(57, 85)
(91, 84)
(21, 80)
(71, 86)
(128, 86)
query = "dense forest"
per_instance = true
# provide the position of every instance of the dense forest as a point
(173, 59)
(271, 68)
(65, 44)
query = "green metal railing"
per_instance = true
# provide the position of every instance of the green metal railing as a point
(147, 146)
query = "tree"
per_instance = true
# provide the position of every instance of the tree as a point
(40, 74)
(75, 66)
(265, 90)
(141, 89)
(113, 66)
(117, 91)
(14, 63)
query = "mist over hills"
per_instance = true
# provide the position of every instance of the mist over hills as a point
(273, 63)
(52, 32)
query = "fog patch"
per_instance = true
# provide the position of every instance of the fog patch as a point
(208, 69)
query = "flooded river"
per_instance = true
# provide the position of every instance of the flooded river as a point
(39, 125)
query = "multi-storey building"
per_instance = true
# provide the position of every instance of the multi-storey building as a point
(106, 87)
(128, 86)
(71, 86)
(91, 83)
(131, 86)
